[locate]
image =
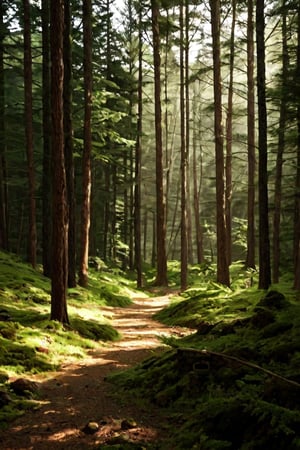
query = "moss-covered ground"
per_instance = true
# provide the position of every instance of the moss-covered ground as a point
(235, 382)
(30, 343)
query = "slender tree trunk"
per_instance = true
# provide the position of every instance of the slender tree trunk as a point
(280, 150)
(297, 187)
(222, 261)
(250, 258)
(138, 165)
(59, 208)
(228, 164)
(3, 197)
(68, 128)
(264, 240)
(32, 243)
(87, 132)
(183, 153)
(161, 277)
(196, 186)
(46, 181)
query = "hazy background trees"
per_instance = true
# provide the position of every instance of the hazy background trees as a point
(123, 198)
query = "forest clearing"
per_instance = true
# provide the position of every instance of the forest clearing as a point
(210, 368)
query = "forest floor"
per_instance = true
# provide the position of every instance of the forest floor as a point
(79, 394)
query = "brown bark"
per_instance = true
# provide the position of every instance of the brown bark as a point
(228, 163)
(280, 150)
(59, 208)
(297, 187)
(250, 258)
(222, 261)
(86, 160)
(32, 235)
(161, 277)
(138, 165)
(264, 240)
(3, 196)
(69, 160)
(183, 153)
(46, 181)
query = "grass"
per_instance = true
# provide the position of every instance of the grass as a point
(215, 385)
(30, 342)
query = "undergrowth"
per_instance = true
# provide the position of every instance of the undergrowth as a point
(234, 383)
(31, 343)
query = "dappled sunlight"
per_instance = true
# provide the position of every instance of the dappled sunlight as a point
(78, 392)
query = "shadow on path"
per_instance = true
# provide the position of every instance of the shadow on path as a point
(78, 393)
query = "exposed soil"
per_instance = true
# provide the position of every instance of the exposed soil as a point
(78, 393)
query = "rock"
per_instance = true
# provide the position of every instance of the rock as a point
(262, 318)
(4, 398)
(127, 424)
(23, 386)
(274, 300)
(91, 427)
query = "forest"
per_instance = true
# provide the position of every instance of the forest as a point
(159, 141)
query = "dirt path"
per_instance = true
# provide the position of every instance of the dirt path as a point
(78, 393)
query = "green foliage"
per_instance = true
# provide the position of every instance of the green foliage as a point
(214, 384)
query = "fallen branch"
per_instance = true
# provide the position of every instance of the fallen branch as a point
(239, 361)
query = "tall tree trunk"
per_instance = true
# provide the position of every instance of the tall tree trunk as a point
(228, 164)
(250, 258)
(59, 208)
(46, 180)
(138, 158)
(3, 197)
(196, 185)
(183, 153)
(280, 149)
(297, 187)
(222, 261)
(264, 240)
(69, 160)
(87, 132)
(32, 243)
(161, 277)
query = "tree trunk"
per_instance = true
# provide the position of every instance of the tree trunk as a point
(161, 277)
(46, 180)
(183, 153)
(3, 197)
(280, 149)
(69, 160)
(250, 258)
(264, 240)
(297, 187)
(86, 160)
(196, 185)
(60, 219)
(228, 164)
(222, 261)
(32, 243)
(138, 165)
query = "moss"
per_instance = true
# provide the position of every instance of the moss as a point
(94, 330)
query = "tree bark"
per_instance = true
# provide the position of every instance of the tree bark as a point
(32, 235)
(264, 240)
(228, 164)
(3, 196)
(86, 160)
(47, 174)
(222, 261)
(69, 160)
(138, 162)
(161, 277)
(297, 187)
(59, 209)
(183, 153)
(250, 258)
(280, 149)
